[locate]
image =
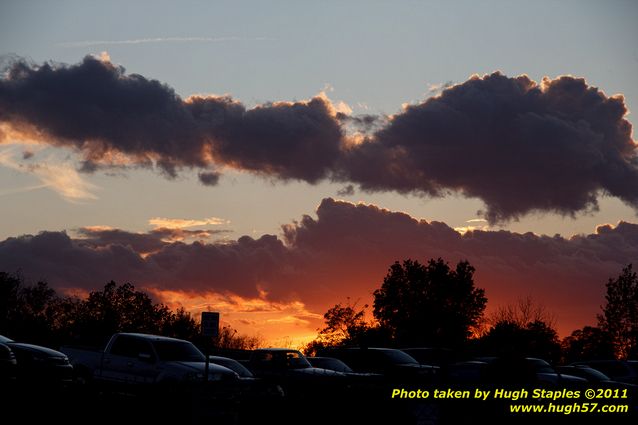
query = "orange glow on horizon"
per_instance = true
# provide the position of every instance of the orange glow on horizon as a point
(278, 324)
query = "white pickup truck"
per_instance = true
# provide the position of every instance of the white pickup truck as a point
(132, 358)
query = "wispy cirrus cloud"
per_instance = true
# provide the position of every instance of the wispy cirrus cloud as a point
(150, 40)
(60, 177)
(182, 223)
(22, 189)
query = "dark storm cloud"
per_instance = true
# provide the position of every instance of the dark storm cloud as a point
(101, 111)
(519, 146)
(55, 257)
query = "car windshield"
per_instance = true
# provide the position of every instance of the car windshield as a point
(398, 357)
(233, 365)
(592, 373)
(178, 351)
(540, 366)
(296, 360)
(4, 339)
(331, 364)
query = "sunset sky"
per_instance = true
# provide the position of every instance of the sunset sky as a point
(271, 159)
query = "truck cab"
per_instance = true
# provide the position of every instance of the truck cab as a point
(133, 358)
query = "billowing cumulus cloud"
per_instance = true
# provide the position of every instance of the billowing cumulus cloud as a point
(99, 110)
(519, 146)
(344, 251)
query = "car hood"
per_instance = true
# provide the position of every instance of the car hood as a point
(36, 349)
(555, 377)
(201, 367)
(316, 371)
(416, 368)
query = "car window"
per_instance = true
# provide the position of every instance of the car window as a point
(398, 357)
(332, 364)
(178, 351)
(127, 346)
(540, 366)
(296, 360)
(591, 373)
(233, 365)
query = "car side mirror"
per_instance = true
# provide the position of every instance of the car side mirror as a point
(145, 357)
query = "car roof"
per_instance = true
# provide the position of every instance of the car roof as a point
(32, 347)
(5, 339)
(426, 349)
(223, 358)
(364, 349)
(151, 337)
(276, 349)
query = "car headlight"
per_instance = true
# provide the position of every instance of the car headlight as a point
(55, 360)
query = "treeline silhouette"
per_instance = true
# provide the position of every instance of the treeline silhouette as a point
(434, 305)
(38, 314)
(417, 305)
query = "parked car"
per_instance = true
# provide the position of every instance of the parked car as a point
(268, 362)
(39, 364)
(469, 372)
(134, 359)
(394, 365)
(526, 370)
(291, 370)
(232, 364)
(330, 363)
(433, 356)
(8, 363)
(592, 375)
(618, 370)
(585, 372)
(258, 389)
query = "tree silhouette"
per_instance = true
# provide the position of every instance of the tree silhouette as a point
(26, 311)
(523, 329)
(230, 339)
(345, 325)
(588, 343)
(35, 313)
(620, 313)
(121, 308)
(181, 324)
(524, 312)
(429, 304)
(534, 339)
